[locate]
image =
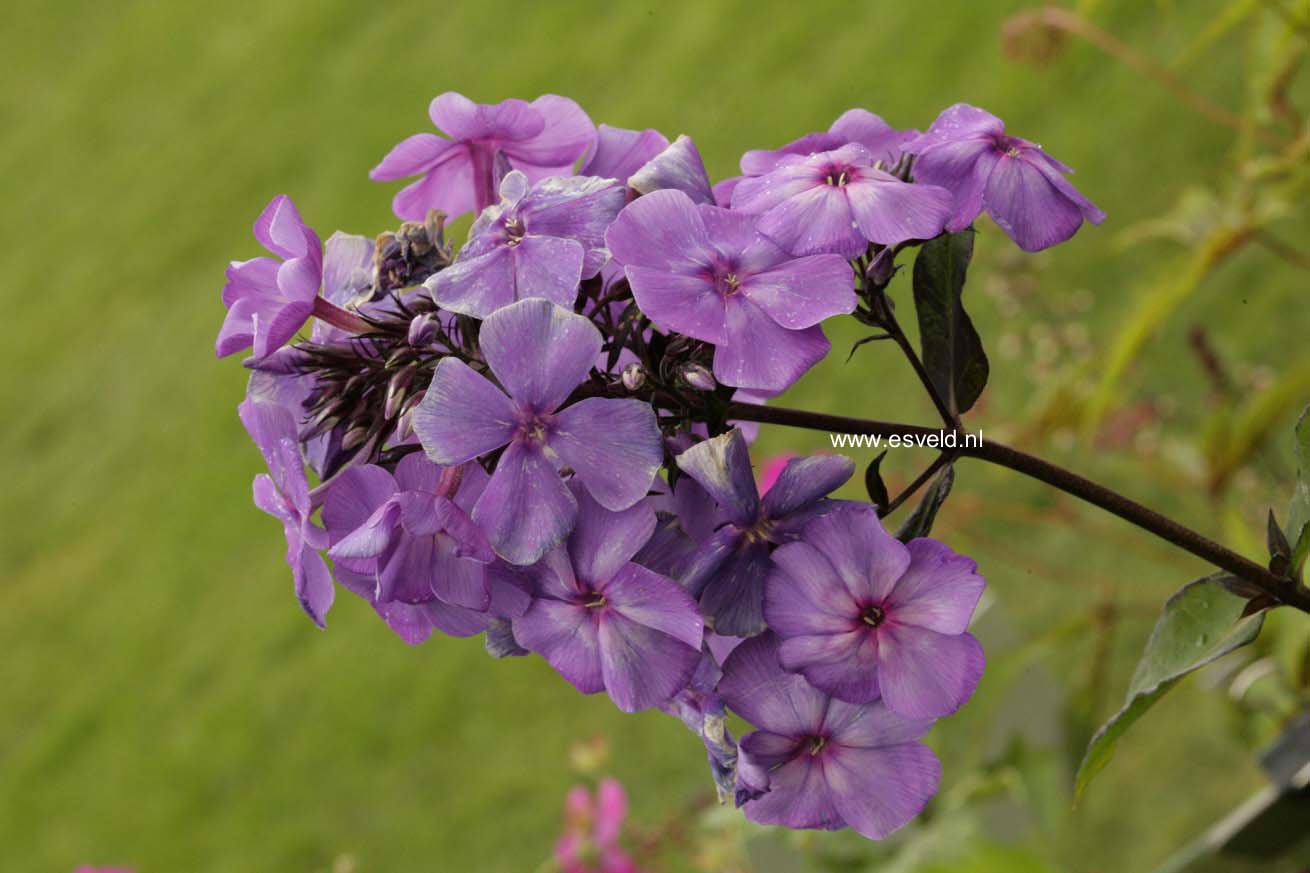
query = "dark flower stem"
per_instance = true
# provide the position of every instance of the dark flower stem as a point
(1283, 590)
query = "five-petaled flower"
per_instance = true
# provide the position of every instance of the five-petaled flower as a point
(861, 616)
(707, 273)
(540, 353)
(542, 138)
(838, 201)
(1015, 181)
(830, 764)
(539, 241)
(728, 567)
(607, 623)
(268, 300)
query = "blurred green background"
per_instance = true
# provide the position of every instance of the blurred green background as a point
(163, 702)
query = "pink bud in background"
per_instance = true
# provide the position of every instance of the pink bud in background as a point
(769, 470)
(592, 827)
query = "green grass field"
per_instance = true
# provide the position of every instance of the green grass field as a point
(163, 702)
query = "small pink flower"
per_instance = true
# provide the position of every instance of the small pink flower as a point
(592, 826)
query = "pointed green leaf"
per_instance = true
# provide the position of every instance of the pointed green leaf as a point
(952, 352)
(874, 485)
(1200, 624)
(919, 524)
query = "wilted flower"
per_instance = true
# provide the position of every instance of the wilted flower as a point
(268, 300)
(1017, 183)
(728, 568)
(539, 353)
(837, 201)
(606, 623)
(861, 615)
(542, 138)
(539, 241)
(706, 272)
(830, 764)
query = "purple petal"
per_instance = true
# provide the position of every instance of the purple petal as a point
(756, 687)
(815, 221)
(642, 666)
(959, 122)
(614, 447)
(566, 136)
(372, 537)
(526, 509)
(680, 168)
(1031, 210)
(478, 285)
(459, 581)
(798, 796)
(539, 351)
(938, 591)
(804, 481)
(890, 211)
(565, 634)
(574, 208)
(619, 152)
(733, 233)
(876, 791)
(448, 186)
(1054, 171)
(656, 602)
(760, 162)
(454, 621)
(314, 587)
(867, 558)
(805, 291)
(844, 665)
(662, 230)
(870, 726)
(882, 140)
(962, 168)
(412, 156)
(804, 595)
(790, 178)
(926, 674)
(679, 302)
(602, 541)
(461, 118)
(280, 229)
(462, 415)
(761, 354)
(353, 496)
(722, 466)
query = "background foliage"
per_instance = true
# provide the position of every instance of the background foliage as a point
(163, 703)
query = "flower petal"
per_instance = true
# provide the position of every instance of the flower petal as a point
(804, 595)
(602, 541)
(566, 136)
(566, 635)
(314, 587)
(661, 230)
(804, 291)
(1031, 210)
(280, 229)
(411, 156)
(462, 415)
(657, 602)
(642, 666)
(722, 466)
(803, 481)
(620, 152)
(448, 186)
(526, 509)
(756, 687)
(938, 591)
(478, 285)
(761, 354)
(798, 796)
(679, 302)
(613, 445)
(867, 558)
(890, 211)
(843, 665)
(461, 118)
(539, 351)
(961, 167)
(679, 167)
(926, 674)
(876, 791)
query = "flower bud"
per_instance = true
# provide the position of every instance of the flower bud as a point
(422, 329)
(634, 376)
(698, 377)
(396, 389)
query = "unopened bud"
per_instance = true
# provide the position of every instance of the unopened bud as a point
(422, 329)
(396, 389)
(698, 377)
(634, 376)
(355, 437)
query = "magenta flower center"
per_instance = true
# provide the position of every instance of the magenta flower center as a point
(534, 428)
(873, 615)
(838, 176)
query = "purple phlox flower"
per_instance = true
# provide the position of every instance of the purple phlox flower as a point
(283, 493)
(1017, 183)
(592, 826)
(542, 138)
(538, 241)
(607, 623)
(405, 543)
(539, 352)
(620, 152)
(705, 272)
(680, 168)
(884, 142)
(728, 569)
(862, 615)
(830, 764)
(838, 201)
(269, 300)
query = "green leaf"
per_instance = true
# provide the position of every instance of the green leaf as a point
(919, 524)
(873, 483)
(1200, 624)
(952, 352)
